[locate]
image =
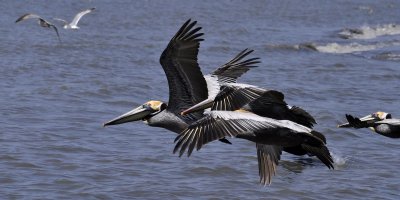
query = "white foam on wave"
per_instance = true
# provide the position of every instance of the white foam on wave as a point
(367, 32)
(351, 47)
(345, 48)
(338, 160)
(338, 48)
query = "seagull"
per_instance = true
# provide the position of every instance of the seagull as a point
(379, 122)
(42, 22)
(74, 23)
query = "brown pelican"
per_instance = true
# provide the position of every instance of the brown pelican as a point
(380, 122)
(74, 23)
(266, 103)
(270, 135)
(233, 96)
(187, 85)
(42, 22)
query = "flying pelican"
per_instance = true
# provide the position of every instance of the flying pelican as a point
(74, 23)
(187, 85)
(266, 103)
(233, 96)
(42, 22)
(261, 130)
(379, 122)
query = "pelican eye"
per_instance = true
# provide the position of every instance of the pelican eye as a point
(163, 106)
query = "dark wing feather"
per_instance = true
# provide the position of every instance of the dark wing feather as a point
(267, 98)
(302, 117)
(322, 153)
(356, 122)
(231, 98)
(187, 85)
(272, 105)
(268, 160)
(235, 68)
(210, 128)
(56, 30)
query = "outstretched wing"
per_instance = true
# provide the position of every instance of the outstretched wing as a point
(27, 16)
(235, 68)
(56, 30)
(187, 85)
(217, 125)
(355, 122)
(79, 16)
(268, 159)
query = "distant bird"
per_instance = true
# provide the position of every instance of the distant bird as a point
(187, 85)
(42, 22)
(74, 23)
(261, 130)
(379, 122)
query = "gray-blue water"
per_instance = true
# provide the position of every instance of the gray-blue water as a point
(55, 98)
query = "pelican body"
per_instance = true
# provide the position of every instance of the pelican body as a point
(266, 103)
(243, 101)
(270, 136)
(379, 122)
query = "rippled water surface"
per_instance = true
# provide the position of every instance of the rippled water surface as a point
(331, 58)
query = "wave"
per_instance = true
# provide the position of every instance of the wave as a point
(388, 56)
(339, 48)
(352, 47)
(367, 32)
(338, 160)
(296, 47)
(347, 48)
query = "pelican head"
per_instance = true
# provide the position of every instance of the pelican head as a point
(143, 112)
(382, 115)
(377, 116)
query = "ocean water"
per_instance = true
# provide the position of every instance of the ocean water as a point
(330, 58)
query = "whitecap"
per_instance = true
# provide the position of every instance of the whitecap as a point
(367, 32)
(352, 47)
(338, 160)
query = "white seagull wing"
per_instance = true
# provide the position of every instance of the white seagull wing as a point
(79, 16)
